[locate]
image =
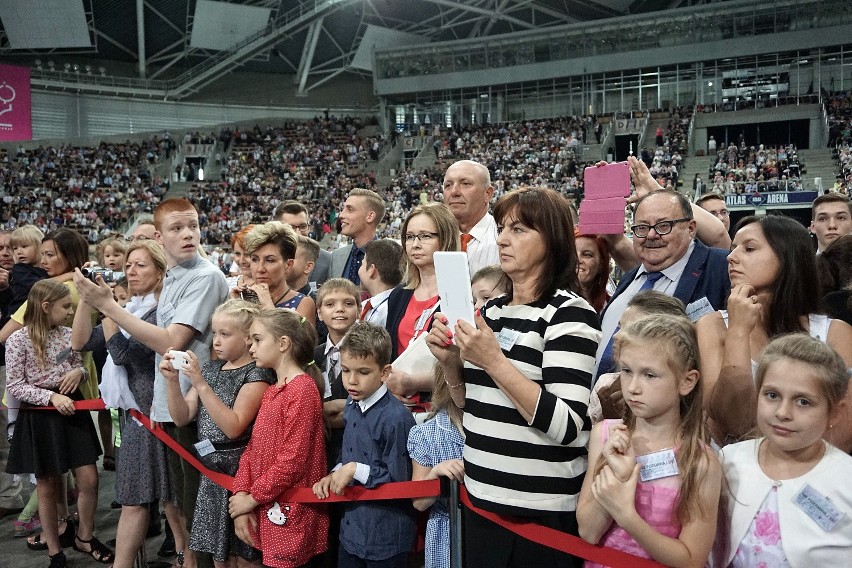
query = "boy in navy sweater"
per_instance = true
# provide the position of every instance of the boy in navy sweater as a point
(376, 425)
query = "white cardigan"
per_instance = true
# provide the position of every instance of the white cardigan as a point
(805, 544)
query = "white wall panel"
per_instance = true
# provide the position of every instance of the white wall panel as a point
(72, 116)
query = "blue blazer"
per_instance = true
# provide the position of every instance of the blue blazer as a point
(705, 276)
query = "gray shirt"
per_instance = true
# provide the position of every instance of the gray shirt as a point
(191, 292)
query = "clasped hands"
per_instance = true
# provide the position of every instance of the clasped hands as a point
(614, 486)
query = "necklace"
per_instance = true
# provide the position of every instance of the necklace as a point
(284, 295)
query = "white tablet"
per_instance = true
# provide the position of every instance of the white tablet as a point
(453, 274)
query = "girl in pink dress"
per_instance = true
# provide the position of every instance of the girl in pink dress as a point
(652, 488)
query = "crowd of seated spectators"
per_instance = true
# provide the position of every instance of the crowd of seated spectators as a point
(543, 152)
(838, 108)
(92, 189)
(746, 169)
(315, 162)
(670, 146)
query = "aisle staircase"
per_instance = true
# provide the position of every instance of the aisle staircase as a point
(822, 168)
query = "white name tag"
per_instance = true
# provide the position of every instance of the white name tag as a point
(657, 465)
(507, 338)
(699, 308)
(166, 314)
(314, 287)
(818, 507)
(204, 447)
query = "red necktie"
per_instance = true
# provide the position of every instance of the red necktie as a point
(465, 239)
(367, 307)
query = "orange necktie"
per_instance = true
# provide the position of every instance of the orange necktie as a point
(367, 307)
(465, 239)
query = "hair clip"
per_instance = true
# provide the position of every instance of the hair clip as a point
(302, 320)
(311, 362)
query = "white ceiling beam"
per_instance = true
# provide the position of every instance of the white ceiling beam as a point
(314, 32)
(485, 12)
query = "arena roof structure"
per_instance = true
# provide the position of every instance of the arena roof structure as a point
(172, 49)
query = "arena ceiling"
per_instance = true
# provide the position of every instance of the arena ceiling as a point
(181, 46)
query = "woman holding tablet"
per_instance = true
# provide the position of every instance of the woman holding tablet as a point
(427, 229)
(522, 374)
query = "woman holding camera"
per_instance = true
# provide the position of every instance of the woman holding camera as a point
(142, 474)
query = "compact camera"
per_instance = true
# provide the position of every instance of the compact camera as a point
(108, 275)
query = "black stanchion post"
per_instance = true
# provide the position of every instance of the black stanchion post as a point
(456, 534)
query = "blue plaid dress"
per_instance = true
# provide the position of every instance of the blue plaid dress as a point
(429, 444)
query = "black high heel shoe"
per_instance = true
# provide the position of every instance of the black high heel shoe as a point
(66, 539)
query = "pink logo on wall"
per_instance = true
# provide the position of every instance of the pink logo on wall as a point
(15, 104)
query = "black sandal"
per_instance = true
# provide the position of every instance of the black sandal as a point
(66, 539)
(97, 550)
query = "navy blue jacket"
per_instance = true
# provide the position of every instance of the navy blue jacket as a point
(705, 275)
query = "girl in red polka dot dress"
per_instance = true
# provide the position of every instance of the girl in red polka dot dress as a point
(287, 447)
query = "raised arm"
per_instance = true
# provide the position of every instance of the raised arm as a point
(99, 296)
(710, 230)
(232, 421)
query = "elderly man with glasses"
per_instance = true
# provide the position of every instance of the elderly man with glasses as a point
(672, 261)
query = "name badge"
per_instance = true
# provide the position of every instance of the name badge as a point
(421, 321)
(818, 507)
(63, 355)
(657, 465)
(204, 447)
(166, 313)
(277, 515)
(507, 338)
(314, 287)
(699, 308)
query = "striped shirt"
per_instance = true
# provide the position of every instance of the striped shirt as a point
(511, 466)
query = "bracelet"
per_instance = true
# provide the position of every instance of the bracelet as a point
(458, 386)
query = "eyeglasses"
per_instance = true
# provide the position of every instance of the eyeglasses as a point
(661, 228)
(424, 238)
(300, 228)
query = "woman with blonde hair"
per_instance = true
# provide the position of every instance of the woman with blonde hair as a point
(427, 229)
(142, 471)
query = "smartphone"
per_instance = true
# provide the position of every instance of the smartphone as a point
(453, 274)
(250, 296)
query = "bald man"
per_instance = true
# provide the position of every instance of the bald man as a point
(468, 192)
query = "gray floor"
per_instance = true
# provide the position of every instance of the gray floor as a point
(15, 554)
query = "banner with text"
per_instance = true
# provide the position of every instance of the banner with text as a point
(15, 104)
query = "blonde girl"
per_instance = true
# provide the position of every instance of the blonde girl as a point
(789, 505)
(44, 371)
(436, 448)
(287, 446)
(653, 487)
(225, 397)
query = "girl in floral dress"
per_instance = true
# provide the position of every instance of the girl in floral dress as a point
(789, 505)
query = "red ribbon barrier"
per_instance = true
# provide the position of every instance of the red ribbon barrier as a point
(563, 542)
(545, 536)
